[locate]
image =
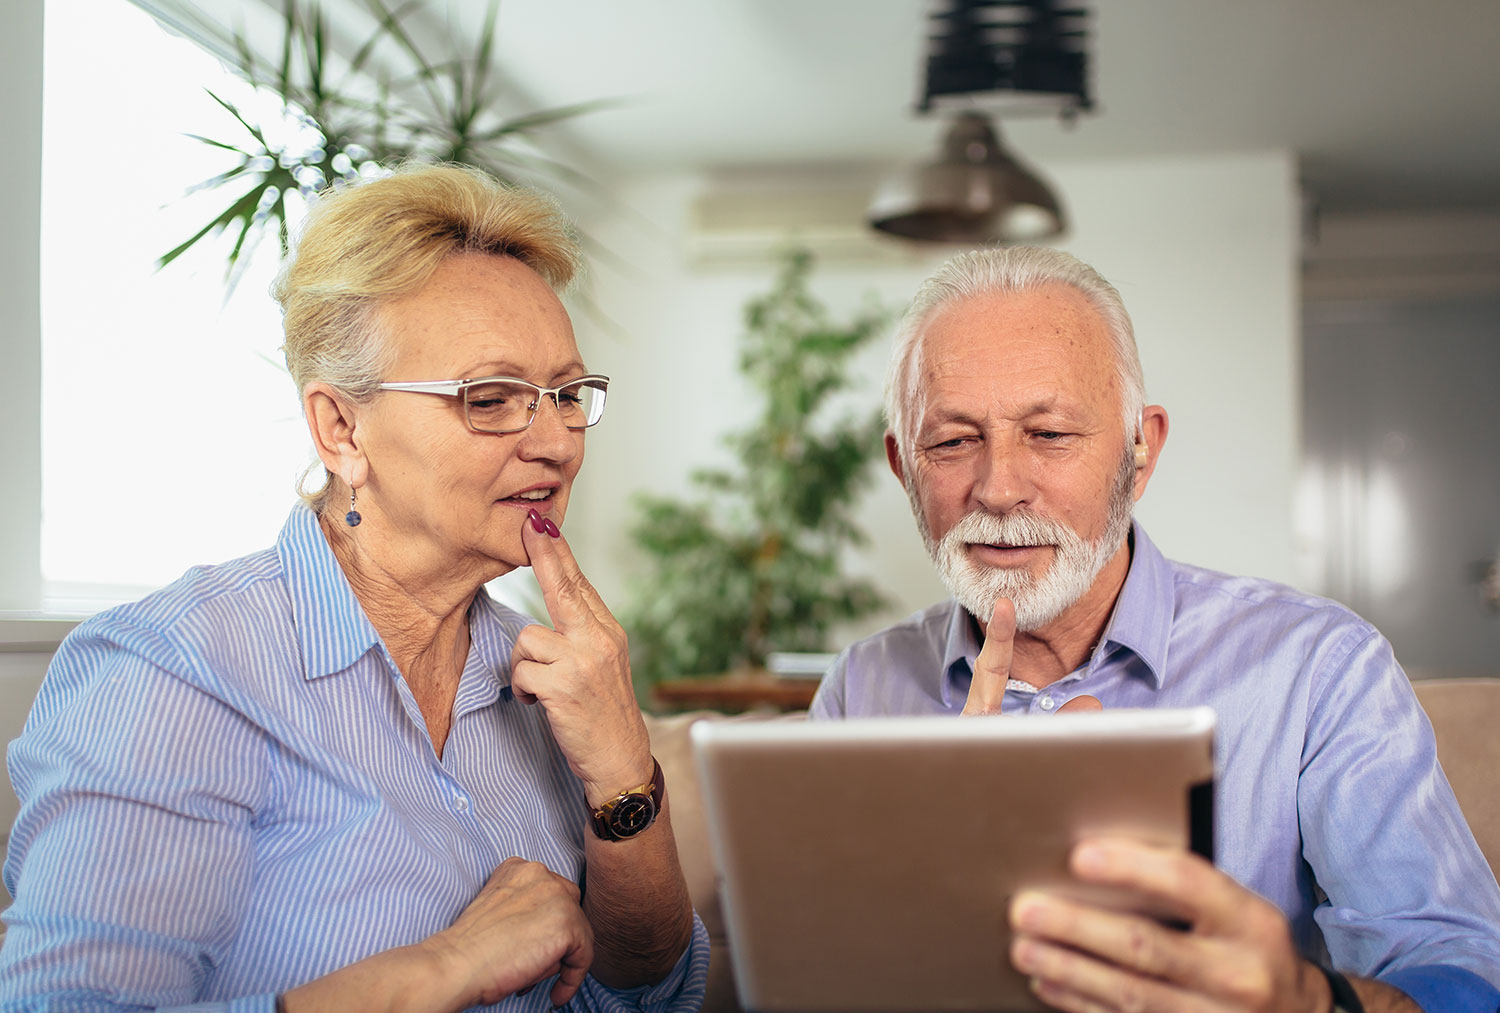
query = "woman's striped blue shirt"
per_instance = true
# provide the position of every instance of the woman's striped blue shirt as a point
(227, 789)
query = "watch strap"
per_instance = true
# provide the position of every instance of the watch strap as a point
(1345, 999)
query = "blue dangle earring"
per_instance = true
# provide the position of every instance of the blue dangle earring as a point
(352, 518)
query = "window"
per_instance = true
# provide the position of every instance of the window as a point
(171, 433)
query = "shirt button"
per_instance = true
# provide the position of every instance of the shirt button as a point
(1048, 703)
(461, 804)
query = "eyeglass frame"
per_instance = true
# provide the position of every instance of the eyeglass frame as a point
(458, 389)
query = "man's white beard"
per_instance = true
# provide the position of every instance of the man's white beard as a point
(1038, 600)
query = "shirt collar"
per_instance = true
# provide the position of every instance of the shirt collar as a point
(1142, 618)
(332, 629)
(960, 650)
(493, 629)
(1141, 621)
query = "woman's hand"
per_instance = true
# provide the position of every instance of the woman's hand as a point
(579, 671)
(525, 926)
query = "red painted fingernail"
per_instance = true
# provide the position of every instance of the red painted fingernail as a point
(537, 524)
(551, 528)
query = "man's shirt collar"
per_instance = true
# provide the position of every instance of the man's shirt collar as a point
(961, 647)
(1142, 617)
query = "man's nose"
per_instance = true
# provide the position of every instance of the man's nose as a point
(1005, 480)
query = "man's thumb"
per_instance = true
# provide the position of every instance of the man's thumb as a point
(1081, 703)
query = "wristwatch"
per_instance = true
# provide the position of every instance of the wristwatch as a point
(1345, 1000)
(632, 811)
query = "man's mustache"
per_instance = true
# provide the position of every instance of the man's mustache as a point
(1016, 527)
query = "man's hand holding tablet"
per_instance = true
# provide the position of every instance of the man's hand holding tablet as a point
(1235, 954)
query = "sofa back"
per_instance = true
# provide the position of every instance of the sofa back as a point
(672, 745)
(1465, 716)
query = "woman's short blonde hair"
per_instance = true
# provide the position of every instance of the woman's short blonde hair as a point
(366, 243)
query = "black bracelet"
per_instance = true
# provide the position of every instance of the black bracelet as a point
(1345, 999)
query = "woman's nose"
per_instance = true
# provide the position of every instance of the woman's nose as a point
(548, 437)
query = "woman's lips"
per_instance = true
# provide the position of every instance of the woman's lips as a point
(528, 499)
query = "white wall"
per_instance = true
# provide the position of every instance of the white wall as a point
(1204, 251)
(21, 667)
(20, 350)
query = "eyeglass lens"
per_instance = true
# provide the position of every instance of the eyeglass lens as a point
(504, 406)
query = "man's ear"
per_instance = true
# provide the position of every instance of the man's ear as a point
(1153, 435)
(893, 456)
(333, 423)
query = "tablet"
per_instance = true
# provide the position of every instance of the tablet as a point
(867, 864)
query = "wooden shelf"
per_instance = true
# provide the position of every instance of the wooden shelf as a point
(734, 693)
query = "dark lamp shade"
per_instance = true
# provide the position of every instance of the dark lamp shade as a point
(975, 194)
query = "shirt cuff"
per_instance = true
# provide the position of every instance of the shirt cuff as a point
(681, 990)
(1442, 988)
(244, 1004)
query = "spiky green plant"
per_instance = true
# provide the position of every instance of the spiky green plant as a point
(340, 119)
(754, 563)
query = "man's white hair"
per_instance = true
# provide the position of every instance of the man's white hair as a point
(1009, 269)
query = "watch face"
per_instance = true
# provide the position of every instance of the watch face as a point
(631, 815)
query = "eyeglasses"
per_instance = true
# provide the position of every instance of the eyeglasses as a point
(507, 404)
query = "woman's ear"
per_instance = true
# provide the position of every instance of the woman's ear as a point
(333, 422)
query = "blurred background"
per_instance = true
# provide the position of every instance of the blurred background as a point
(1299, 202)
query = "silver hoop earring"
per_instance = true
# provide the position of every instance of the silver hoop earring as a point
(352, 518)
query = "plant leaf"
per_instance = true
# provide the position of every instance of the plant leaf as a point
(244, 207)
(218, 144)
(530, 121)
(255, 132)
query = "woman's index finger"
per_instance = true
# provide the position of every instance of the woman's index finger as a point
(569, 597)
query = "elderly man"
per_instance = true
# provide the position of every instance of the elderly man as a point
(1019, 427)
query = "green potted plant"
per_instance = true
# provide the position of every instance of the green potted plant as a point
(753, 564)
(386, 102)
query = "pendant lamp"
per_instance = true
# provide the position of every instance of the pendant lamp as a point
(975, 192)
(988, 54)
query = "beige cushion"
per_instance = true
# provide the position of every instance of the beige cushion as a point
(1465, 715)
(673, 748)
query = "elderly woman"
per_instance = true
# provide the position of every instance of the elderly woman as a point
(335, 774)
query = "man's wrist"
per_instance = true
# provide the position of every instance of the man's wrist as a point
(1344, 998)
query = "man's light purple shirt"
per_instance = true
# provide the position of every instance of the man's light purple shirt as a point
(1329, 798)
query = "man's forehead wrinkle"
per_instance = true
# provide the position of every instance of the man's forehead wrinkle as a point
(1041, 356)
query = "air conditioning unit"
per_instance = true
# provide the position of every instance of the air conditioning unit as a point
(749, 223)
(1391, 255)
